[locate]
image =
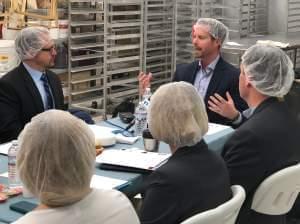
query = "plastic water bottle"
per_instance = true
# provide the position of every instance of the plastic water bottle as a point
(140, 119)
(146, 97)
(13, 179)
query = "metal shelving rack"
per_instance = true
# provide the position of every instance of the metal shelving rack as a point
(243, 17)
(86, 50)
(124, 47)
(158, 40)
(186, 12)
(110, 41)
(293, 20)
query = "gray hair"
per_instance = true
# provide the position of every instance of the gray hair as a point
(56, 158)
(30, 41)
(177, 115)
(216, 28)
(269, 69)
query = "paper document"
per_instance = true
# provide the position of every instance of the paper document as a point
(4, 148)
(133, 158)
(101, 182)
(215, 128)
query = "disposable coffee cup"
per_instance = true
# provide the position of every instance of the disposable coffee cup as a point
(150, 144)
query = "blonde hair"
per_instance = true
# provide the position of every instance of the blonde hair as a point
(177, 115)
(56, 158)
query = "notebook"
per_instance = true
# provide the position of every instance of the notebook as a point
(132, 158)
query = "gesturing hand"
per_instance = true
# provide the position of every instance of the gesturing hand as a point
(222, 106)
(144, 81)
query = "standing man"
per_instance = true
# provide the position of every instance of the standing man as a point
(269, 139)
(209, 74)
(30, 88)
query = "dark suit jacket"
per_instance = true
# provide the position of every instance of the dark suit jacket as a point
(20, 100)
(267, 142)
(194, 179)
(225, 78)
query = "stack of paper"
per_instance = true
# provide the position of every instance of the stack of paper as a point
(4, 148)
(133, 158)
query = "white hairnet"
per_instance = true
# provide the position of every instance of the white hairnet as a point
(30, 41)
(177, 115)
(56, 158)
(216, 28)
(269, 69)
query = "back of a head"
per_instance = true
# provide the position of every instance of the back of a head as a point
(177, 115)
(56, 158)
(30, 41)
(269, 69)
(216, 28)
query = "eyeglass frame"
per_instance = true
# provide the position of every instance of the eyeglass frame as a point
(50, 49)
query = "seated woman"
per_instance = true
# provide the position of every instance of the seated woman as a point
(56, 163)
(194, 179)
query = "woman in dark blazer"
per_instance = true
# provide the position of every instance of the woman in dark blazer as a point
(194, 179)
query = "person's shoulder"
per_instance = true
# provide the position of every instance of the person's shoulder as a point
(183, 72)
(231, 69)
(109, 195)
(28, 218)
(11, 75)
(114, 205)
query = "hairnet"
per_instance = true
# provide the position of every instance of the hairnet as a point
(56, 158)
(216, 29)
(269, 69)
(177, 115)
(30, 41)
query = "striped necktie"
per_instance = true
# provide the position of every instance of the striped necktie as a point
(49, 103)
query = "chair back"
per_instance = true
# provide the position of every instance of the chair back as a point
(278, 192)
(225, 213)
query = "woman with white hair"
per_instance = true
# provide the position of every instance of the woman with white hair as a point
(194, 179)
(56, 163)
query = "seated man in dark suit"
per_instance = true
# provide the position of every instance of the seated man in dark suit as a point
(210, 73)
(30, 88)
(194, 179)
(269, 139)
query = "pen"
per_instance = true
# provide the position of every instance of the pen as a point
(130, 125)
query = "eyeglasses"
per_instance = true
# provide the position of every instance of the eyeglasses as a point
(50, 49)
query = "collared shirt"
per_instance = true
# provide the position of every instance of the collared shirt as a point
(36, 76)
(204, 76)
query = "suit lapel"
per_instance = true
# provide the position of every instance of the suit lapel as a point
(215, 80)
(195, 68)
(32, 89)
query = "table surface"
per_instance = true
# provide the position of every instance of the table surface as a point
(214, 141)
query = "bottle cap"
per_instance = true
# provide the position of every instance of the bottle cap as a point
(147, 134)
